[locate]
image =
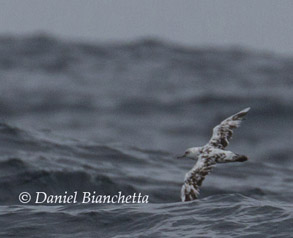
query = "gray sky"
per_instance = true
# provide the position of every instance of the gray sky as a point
(258, 24)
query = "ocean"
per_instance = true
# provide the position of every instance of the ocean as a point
(109, 119)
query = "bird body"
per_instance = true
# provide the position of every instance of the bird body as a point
(210, 154)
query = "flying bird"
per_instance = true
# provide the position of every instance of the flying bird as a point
(210, 154)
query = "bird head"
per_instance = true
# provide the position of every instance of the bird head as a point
(191, 153)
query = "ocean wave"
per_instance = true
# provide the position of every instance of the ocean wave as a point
(112, 117)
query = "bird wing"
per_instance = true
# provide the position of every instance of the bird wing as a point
(195, 177)
(223, 132)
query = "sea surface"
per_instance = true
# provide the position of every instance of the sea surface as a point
(112, 117)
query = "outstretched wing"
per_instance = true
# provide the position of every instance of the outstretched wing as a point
(223, 132)
(194, 179)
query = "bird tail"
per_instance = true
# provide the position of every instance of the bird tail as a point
(225, 156)
(240, 158)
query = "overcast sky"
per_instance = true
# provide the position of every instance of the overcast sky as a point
(257, 24)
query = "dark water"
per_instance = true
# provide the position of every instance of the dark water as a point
(110, 118)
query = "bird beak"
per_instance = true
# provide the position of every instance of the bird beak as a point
(181, 157)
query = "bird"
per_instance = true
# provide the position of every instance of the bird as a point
(210, 154)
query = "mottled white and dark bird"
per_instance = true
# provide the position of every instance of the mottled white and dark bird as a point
(210, 154)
